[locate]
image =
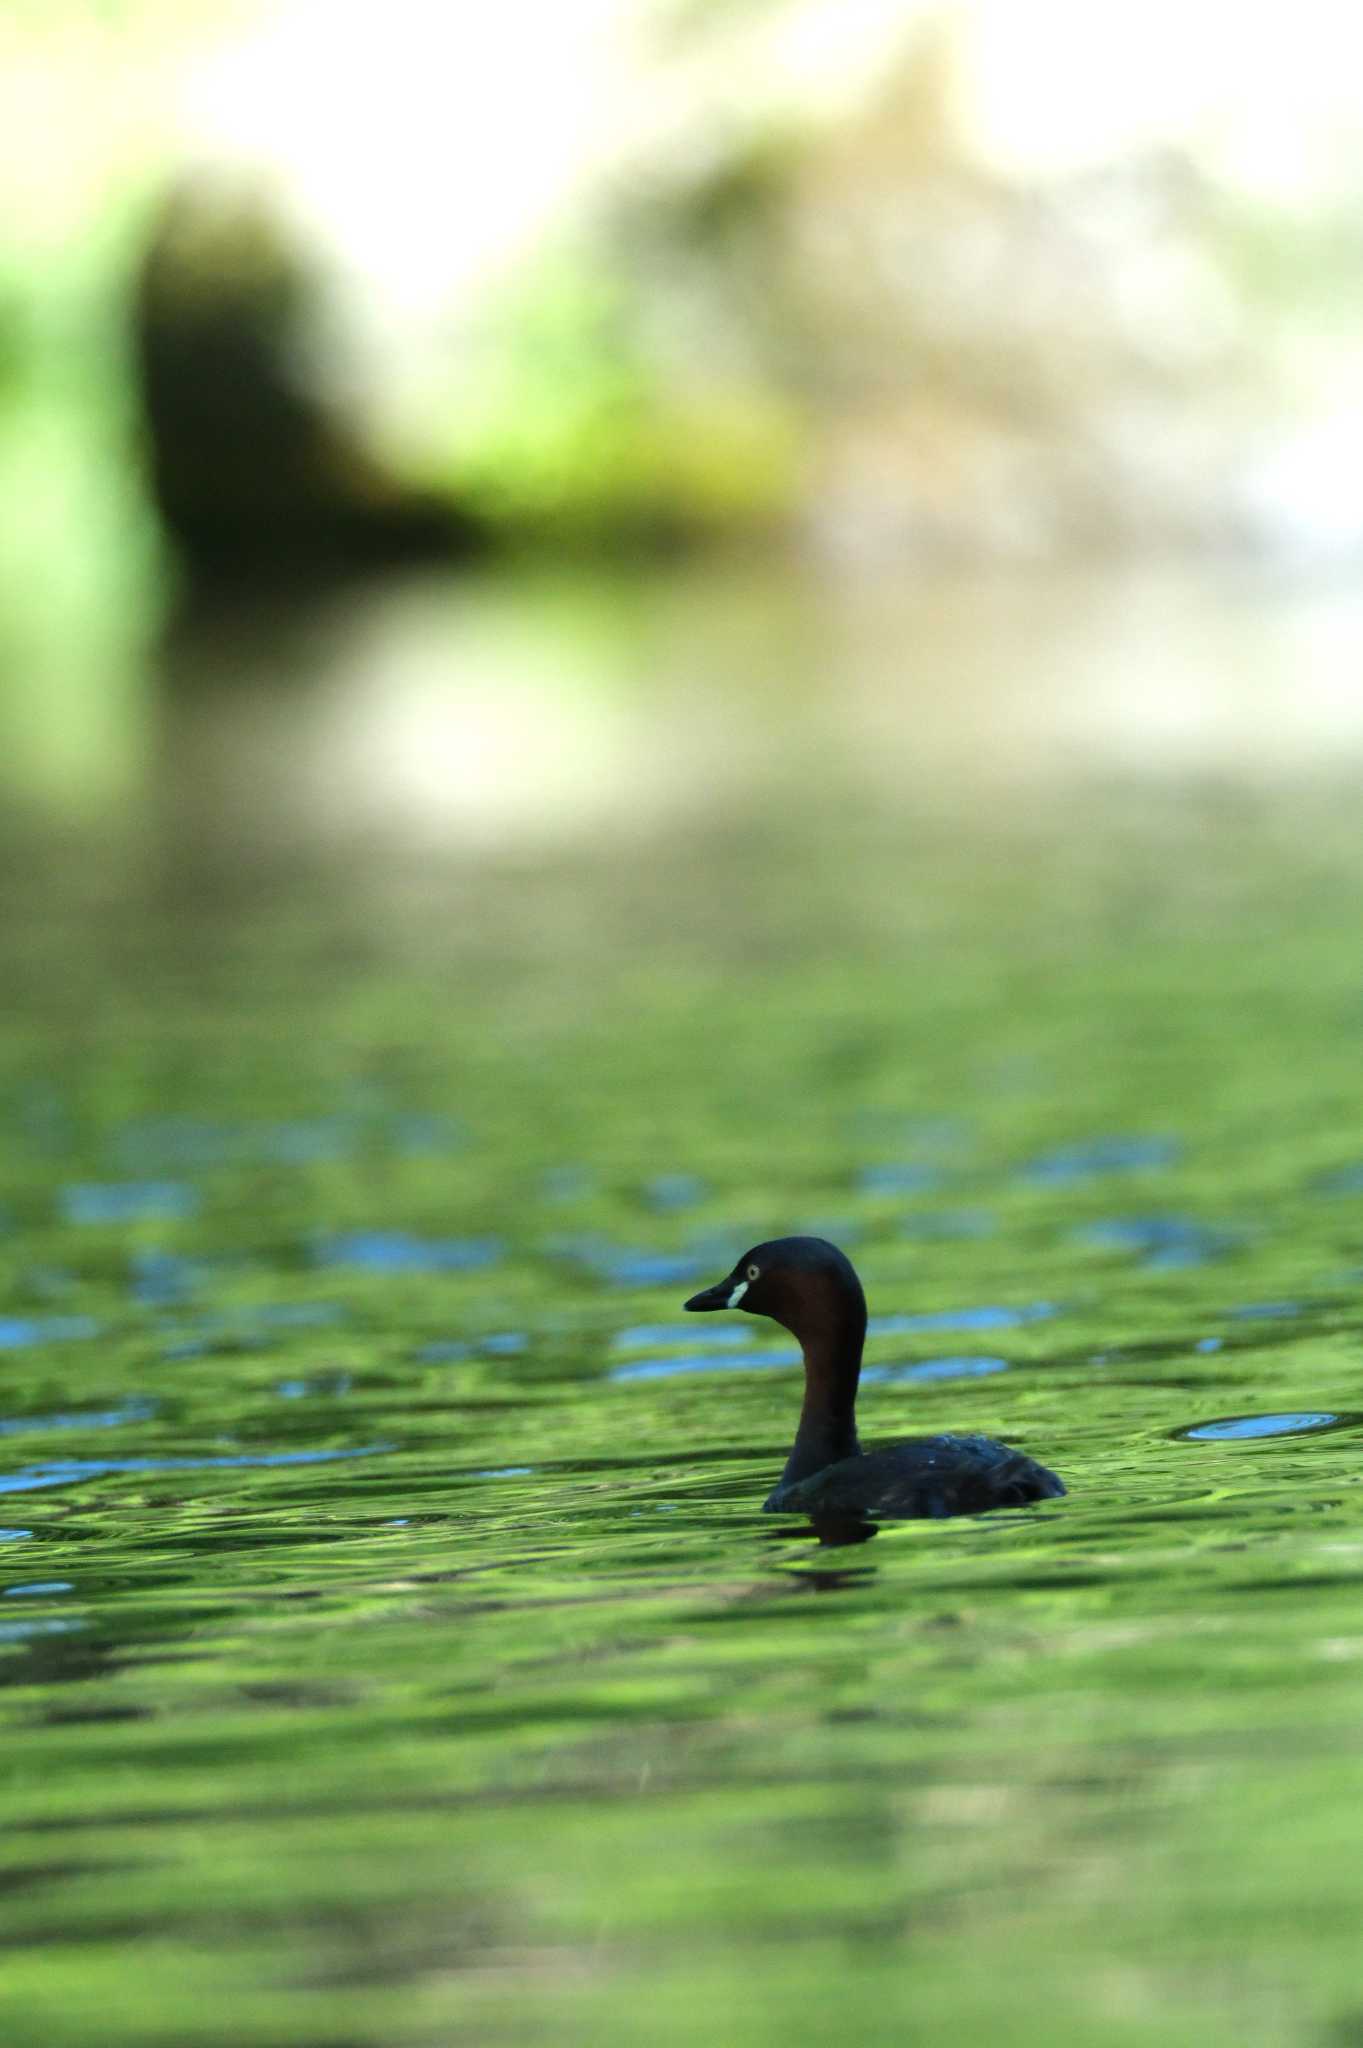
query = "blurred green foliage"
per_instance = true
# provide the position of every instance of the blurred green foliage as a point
(570, 431)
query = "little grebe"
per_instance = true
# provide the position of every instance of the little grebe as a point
(811, 1287)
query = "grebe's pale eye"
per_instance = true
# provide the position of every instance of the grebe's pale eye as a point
(754, 1272)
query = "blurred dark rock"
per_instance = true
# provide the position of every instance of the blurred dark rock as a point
(256, 470)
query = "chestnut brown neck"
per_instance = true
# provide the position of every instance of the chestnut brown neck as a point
(830, 1323)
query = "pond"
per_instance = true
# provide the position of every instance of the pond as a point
(392, 1651)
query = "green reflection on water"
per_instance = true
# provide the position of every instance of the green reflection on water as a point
(517, 1721)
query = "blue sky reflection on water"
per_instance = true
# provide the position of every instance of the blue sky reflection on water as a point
(989, 1316)
(47, 1625)
(86, 1418)
(721, 1337)
(1247, 1428)
(109, 1202)
(1091, 1158)
(401, 1251)
(934, 1369)
(750, 1361)
(73, 1471)
(19, 1331)
(702, 1362)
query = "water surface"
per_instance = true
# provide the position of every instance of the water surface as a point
(394, 1653)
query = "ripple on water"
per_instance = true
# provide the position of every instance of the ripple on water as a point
(247, 1327)
(87, 1418)
(16, 1331)
(1163, 1242)
(1090, 1157)
(625, 1265)
(191, 1143)
(415, 1133)
(670, 1191)
(449, 1350)
(397, 1251)
(989, 1316)
(32, 1588)
(934, 1369)
(945, 1224)
(694, 1362)
(651, 1269)
(841, 1230)
(293, 1315)
(150, 1144)
(898, 1177)
(129, 1201)
(567, 1183)
(1242, 1428)
(159, 1279)
(920, 1133)
(302, 1141)
(645, 1336)
(71, 1471)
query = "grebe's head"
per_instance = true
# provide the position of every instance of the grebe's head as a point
(797, 1281)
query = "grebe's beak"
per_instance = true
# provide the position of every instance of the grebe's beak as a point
(726, 1294)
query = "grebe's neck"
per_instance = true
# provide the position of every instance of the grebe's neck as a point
(832, 1331)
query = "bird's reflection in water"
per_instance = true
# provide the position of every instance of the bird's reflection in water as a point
(829, 1532)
